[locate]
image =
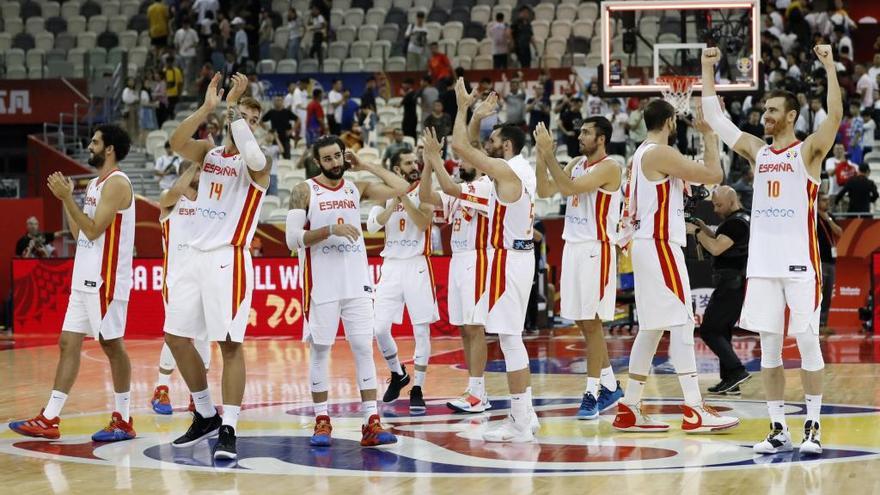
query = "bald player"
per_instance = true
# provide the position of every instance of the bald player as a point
(786, 187)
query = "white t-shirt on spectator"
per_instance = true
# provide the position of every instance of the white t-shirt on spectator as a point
(300, 98)
(596, 106)
(618, 126)
(163, 164)
(186, 41)
(418, 38)
(802, 123)
(497, 32)
(241, 45)
(203, 6)
(873, 72)
(868, 86)
(868, 135)
(335, 98)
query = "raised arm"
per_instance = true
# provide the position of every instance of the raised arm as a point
(181, 140)
(545, 186)
(607, 173)
(420, 215)
(427, 194)
(820, 142)
(384, 215)
(168, 198)
(670, 161)
(743, 143)
(115, 196)
(486, 108)
(392, 184)
(493, 167)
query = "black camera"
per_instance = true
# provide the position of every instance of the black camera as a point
(698, 193)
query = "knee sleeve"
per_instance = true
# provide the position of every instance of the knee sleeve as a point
(166, 359)
(386, 343)
(643, 350)
(362, 350)
(771, 350)
(515, 356)
(203, 347)
(681, 348)
(422, 351)
(319, 367)
(811, 352)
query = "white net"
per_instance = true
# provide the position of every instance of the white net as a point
(677, 91)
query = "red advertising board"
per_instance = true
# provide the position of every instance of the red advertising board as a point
(41, 289)
(24, 101)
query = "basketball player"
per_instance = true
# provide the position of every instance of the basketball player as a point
(104, 230)
(663, 294)
(502, 309)
(783, 216)
(212, 291)
(465, 207)
(589, 258)
(177, 208)
(324, 226)
(407, 279)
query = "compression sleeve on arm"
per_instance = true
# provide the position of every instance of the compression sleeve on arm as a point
(374, 226)
(296, 220)
(726, 130)
(247, 144)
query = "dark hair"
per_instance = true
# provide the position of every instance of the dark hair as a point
(420, 14)
(657, 113)
(396, 157)
(512, 133)
(408, 80)
(864, 168)
(316, 92)
(791, 102)
(427, 78)
(602, 125)
(323, 142)
(499, 17)
(115, 136)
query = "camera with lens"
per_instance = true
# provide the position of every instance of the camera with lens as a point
(698, 193)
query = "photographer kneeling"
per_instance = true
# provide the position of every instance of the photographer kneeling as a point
(729, 246)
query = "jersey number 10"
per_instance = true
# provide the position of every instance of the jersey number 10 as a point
(773, 187)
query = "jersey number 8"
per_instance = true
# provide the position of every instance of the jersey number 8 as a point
(402, 224)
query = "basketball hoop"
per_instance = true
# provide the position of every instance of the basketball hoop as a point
(677, 91)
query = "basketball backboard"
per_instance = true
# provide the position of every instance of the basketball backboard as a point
(643, 40)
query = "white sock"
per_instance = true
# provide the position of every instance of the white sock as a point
(607, 379)
(420, 378)
(204, 404)
(531, 401)
(776, 409)
(633, 393)
(592, 386)
(230, 415)
(690, 387)
(477, 386)
(370, 408)
(814, 405)
(123, 401)
(164, 380)
(394, 364)
(519, 408)
(56, 402)
(320, 408)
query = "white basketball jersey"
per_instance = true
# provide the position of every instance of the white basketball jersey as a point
(228, 204)
(468, 215)
(511, 224)
(402, 238)
(658, 206)
(335, 268)
(104, 265)
(783, 241)
(591, 216)
(176, 231)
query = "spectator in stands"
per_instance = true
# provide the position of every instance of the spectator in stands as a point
(131, 100)
(334, 108)
(538, 110)
(36, 244)
(839, 169)
(348, 111)
(216, 50)
(186, 39)
(811, 120)
(167, 167)
(865, 86)
(317, 29)
(241, 43)
(499, 32)
(297, 31)
(869, 128)
(267, 34)
(368, 98)
(299, 102)
(514, 101)
(316, 125)
(569, 124)
(255, 87)
(147, 113)
(353, 138)
(409, 102)
(428, 94)
(439, 120)
(272, 150)
(753, 125)
(368, 121)
(523, 36)
(618, 119)
(596, 106)
(635, 125)
(309, 164)
(439, 66)
(744, 188)
(158, 17)
(862, 192)
(156, 83)
(416, 37)
(396, 145)
(447, 96)
(828, 233)
(282, 121)
(874, 70)
(204, 7)
(173, 84)
(214, 131)
(225, 28)
(855, 127)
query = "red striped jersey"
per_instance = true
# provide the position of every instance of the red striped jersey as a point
(468, 215)
(334, 268)
(591, 216)
(228, 204)
(657, 206)
(104, 265)
(511, 224)
(402, 238)
(783, 241)
(176, 227)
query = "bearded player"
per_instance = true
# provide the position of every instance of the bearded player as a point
(787, 180)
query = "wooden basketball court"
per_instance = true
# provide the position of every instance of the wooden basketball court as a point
(438, 452)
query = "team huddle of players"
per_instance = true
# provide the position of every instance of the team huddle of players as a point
(209, 218)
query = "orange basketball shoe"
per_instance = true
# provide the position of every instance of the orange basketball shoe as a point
(161, 402)
(39, 426)
(373, 434)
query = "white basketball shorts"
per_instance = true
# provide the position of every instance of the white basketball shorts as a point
(588, 281)
(767, 298)
(407, 282)
(467, 282)
(663, 289)
(88, 313)
(502, 309)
